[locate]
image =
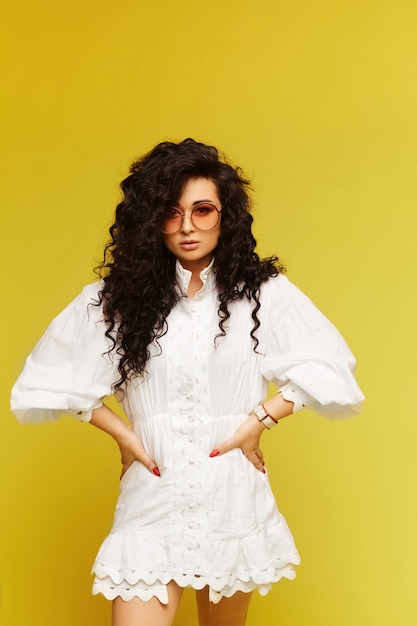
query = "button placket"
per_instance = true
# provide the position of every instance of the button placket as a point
(188, 393)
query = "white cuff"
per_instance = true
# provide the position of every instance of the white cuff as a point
(85, 416)
(294, 394)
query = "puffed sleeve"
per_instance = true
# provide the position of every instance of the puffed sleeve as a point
(304, 354)
(69, 371)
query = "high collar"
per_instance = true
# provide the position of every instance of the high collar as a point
(207, 276)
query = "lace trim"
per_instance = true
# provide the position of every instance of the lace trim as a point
(129, 584)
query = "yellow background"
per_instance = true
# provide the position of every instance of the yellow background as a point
(317, 101)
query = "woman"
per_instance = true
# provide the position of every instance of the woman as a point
(186, 327)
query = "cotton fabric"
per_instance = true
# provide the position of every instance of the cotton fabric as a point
(205, 521)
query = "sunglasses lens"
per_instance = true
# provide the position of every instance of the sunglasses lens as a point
(204, 216)
(172, 222)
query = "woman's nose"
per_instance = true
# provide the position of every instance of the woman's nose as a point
(187, 225)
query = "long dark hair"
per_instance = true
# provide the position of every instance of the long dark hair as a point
(138, 271)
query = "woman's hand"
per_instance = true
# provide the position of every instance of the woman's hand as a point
(247, 438)
(249, 433)
(131, 447)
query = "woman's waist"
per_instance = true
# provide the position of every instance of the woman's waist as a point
(176, 426)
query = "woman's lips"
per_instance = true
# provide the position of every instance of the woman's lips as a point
(189, 245)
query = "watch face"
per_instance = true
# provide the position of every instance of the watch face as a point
(260, 412)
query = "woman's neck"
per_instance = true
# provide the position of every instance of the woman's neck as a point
(194, 285)
(195, 268)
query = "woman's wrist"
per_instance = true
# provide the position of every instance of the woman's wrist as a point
(265, 417)
(257, 424)
(270, 412)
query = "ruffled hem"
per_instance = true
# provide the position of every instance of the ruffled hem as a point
(145, 585)
(131, 563)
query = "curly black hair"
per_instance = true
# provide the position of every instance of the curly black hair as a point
(138, 271)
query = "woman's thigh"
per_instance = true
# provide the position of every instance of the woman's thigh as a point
(228, 612)
(136, 612)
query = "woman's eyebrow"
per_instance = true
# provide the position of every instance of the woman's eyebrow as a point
(200, 201)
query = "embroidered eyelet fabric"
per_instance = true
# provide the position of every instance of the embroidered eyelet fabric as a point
(205, 521)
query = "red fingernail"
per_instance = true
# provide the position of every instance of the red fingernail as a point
(214, 453)
(156, 471)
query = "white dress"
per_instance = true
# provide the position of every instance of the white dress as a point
(205, 521)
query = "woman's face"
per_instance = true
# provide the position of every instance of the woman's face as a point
(192, 246)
